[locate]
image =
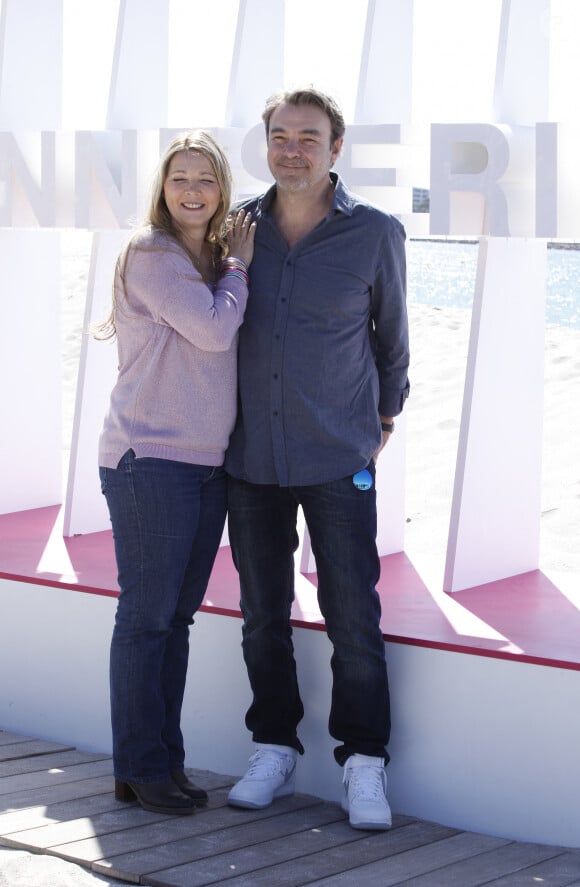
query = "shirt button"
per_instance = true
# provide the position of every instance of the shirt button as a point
(275, 412)
(275, 375)
(283, 299)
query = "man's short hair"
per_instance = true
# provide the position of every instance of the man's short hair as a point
(307, 96)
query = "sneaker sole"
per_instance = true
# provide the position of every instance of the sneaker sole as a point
(376, 825)
(371, 826)
(249, 804)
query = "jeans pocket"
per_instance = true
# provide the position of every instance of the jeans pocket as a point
(106, 475)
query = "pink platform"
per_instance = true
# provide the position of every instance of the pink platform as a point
(524, 618)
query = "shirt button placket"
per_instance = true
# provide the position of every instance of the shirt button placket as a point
(280, 329)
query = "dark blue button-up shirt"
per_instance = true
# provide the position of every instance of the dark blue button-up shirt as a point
(324, 345)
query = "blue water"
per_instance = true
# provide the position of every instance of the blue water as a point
(443, 274)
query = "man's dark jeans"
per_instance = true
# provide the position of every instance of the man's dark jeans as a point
(341, 520)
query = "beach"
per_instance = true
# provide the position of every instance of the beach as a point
(439, 351)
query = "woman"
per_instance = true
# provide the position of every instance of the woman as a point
(179, 297)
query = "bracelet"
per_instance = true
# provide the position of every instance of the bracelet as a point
(234, 267)
(233, 262)
(235, 272)
(388, 426)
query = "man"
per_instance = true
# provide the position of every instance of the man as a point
(323, 365)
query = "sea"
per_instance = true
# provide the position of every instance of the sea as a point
(442, 273)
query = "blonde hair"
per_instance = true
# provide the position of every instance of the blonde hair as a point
(202, 143)
(159, 217)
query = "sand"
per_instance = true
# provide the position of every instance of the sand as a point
(19, 868)
(439, 352)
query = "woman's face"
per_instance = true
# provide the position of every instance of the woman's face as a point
(191, 192)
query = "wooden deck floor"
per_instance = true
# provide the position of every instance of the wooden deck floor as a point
(57, 800)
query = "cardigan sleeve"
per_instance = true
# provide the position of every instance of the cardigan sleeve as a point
(163, 285)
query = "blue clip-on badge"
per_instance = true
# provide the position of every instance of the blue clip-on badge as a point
(363, 480)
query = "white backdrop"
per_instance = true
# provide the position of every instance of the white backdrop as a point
(457, 97)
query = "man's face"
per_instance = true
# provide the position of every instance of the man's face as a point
(300, 153)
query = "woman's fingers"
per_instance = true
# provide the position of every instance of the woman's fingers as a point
(240, 226)
(241, 232)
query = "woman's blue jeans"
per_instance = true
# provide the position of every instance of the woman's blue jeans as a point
(167, 520)
(342, 524)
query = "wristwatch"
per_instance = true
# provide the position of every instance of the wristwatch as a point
(388, 426)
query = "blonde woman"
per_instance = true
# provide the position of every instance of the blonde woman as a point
(180, 293)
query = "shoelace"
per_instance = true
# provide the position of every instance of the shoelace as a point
(263, 764)
(366, 782)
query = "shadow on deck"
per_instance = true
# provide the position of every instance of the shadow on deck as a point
(58, 801)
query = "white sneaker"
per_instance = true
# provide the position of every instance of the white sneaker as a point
(365, 793)
(271, 774)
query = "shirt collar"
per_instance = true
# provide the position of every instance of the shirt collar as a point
(343, 201)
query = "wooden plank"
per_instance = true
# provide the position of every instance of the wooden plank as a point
(231, 837)
(56, 776)
(7, 738)
(392, 866)
(215, 816)
(45, 762)
(60, 802)
(208, 780)
(118, 818)
(555, 872)
(410, 864)
(28, 748)
(486, 867)
(113, 817)
(34, 817)
(268, 862)
(54, 794)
